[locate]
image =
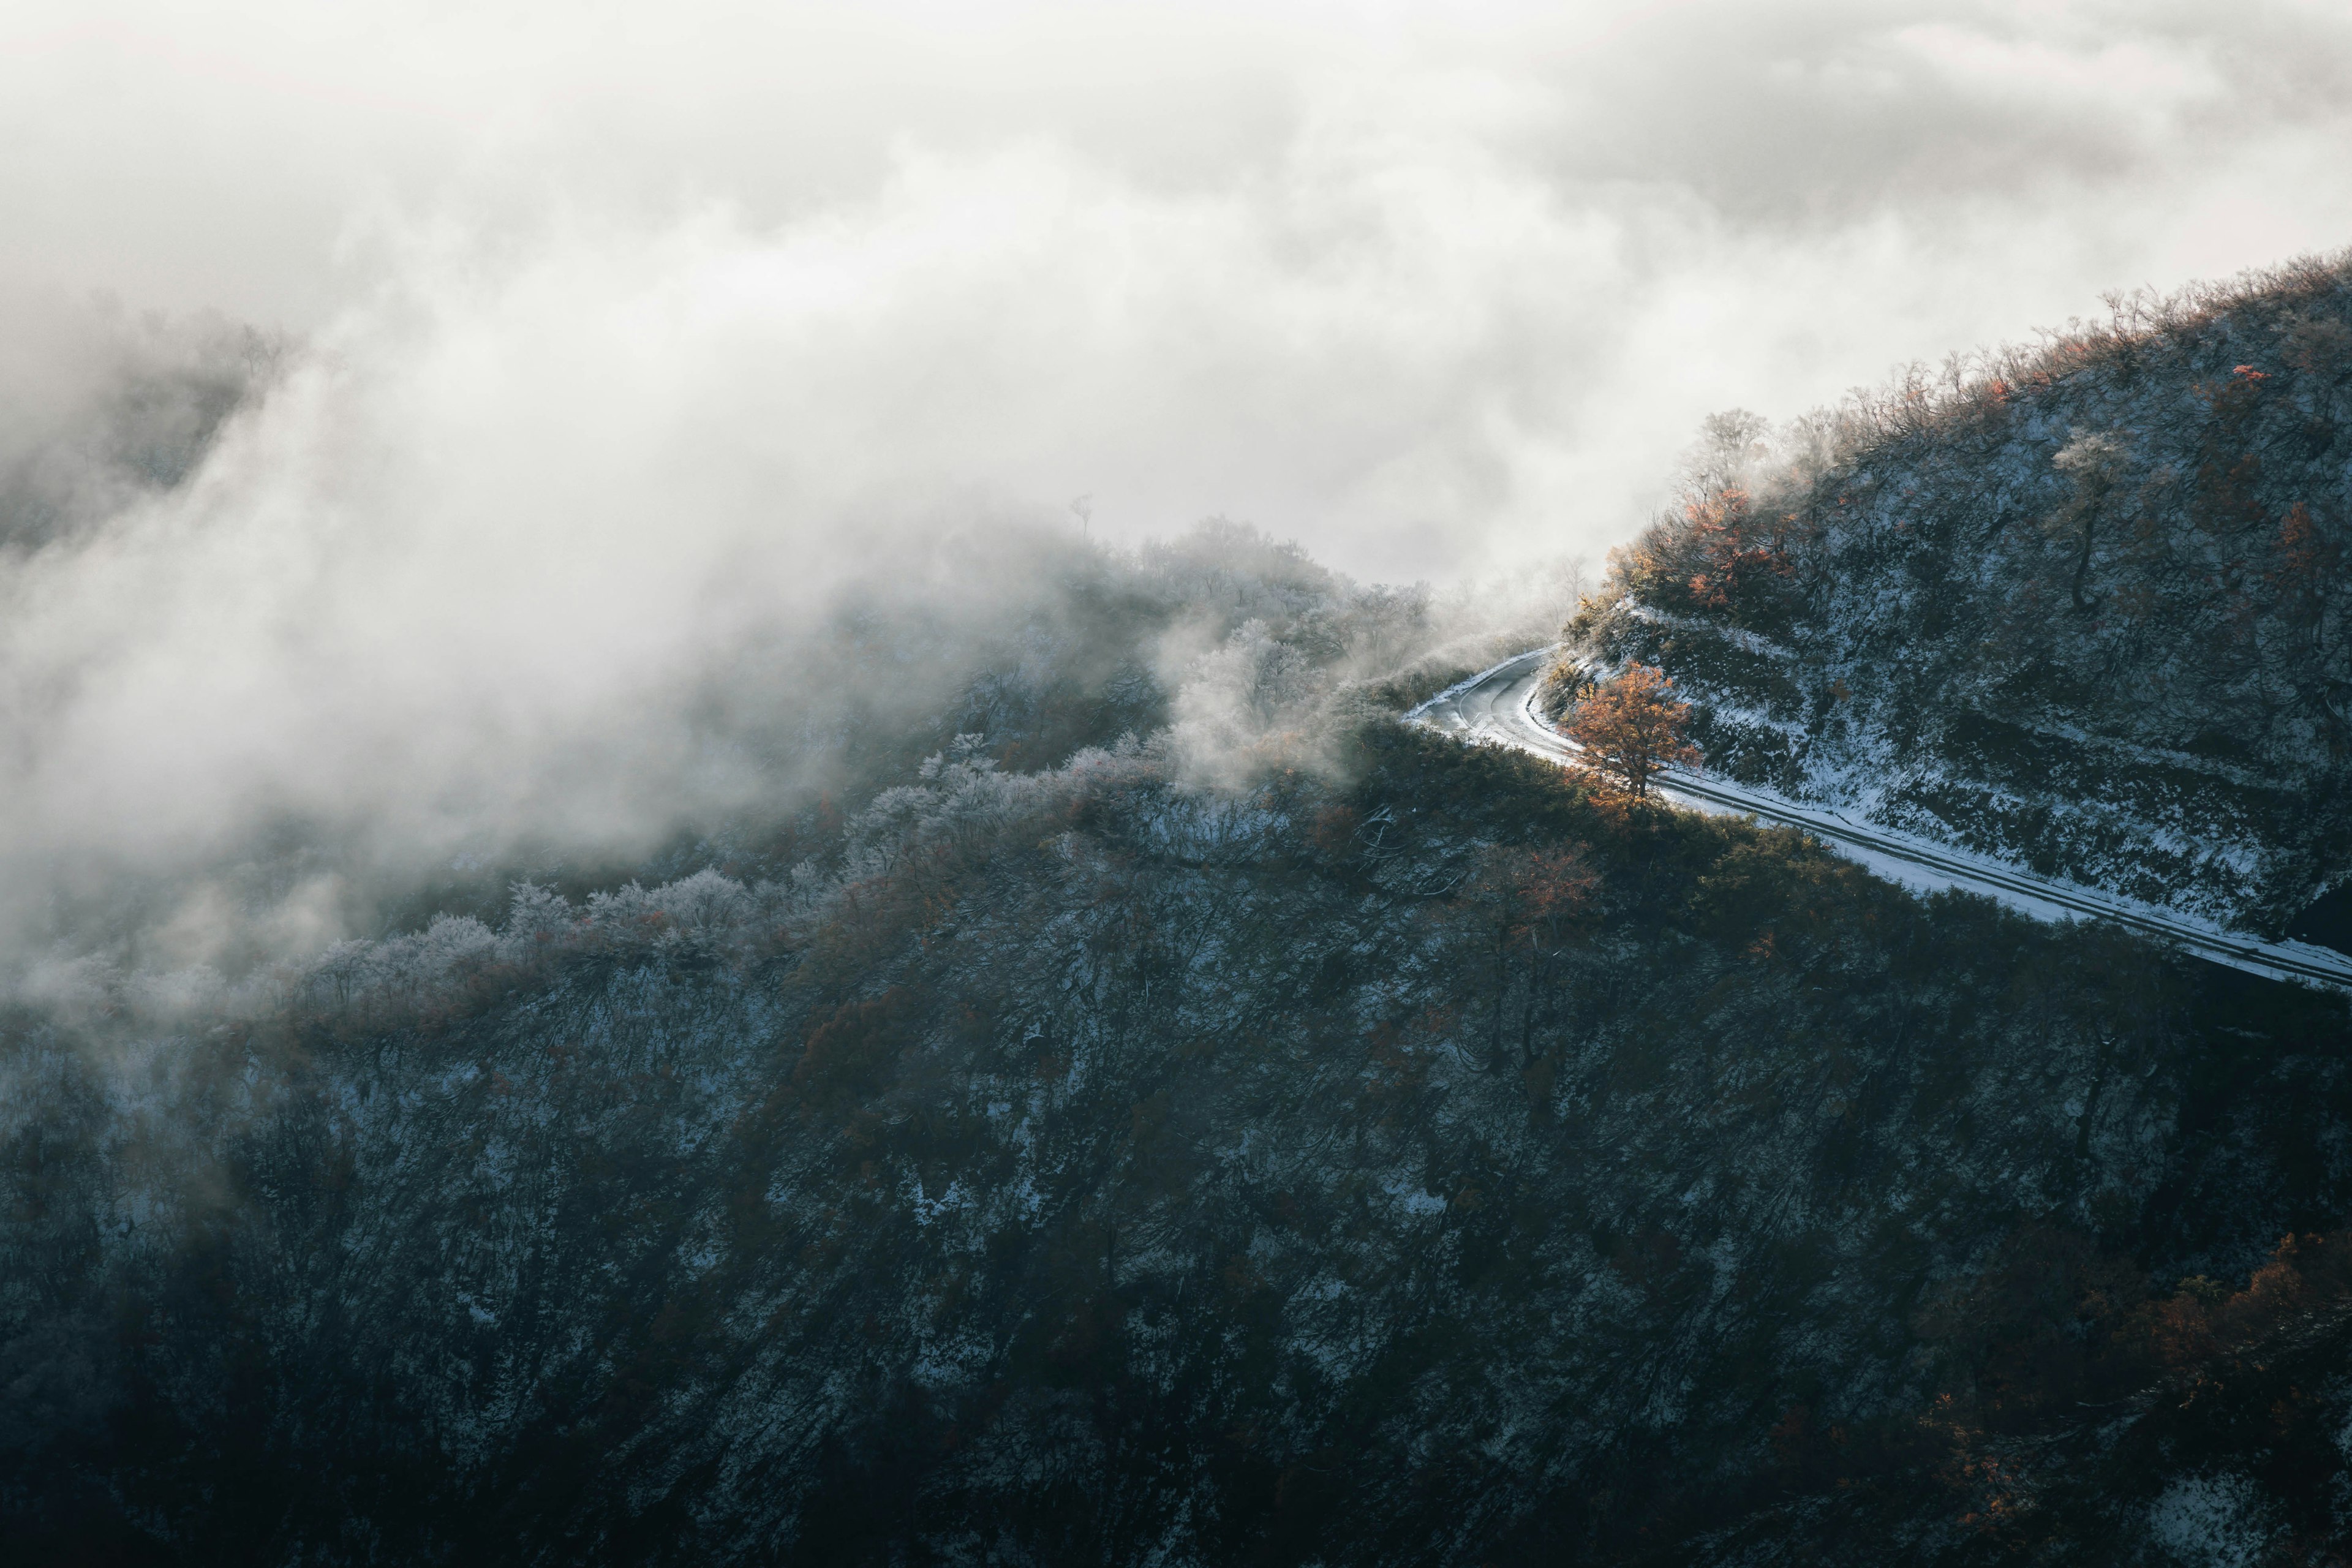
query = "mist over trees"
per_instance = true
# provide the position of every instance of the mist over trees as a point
(99, 411)
(213, 546)
(1231, 651)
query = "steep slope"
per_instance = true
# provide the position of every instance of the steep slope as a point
(1435, 1164)
(2083, 606)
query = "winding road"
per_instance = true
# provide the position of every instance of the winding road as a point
(1498, 707)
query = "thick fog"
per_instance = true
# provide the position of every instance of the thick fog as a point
(575, 349)
(1417, 285)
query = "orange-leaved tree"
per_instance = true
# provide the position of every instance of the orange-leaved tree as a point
(1632, 726)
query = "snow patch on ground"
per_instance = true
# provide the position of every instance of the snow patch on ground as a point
(2212, 1521)
(1738, 637)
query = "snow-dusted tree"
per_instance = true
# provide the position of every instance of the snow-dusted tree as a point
(1565, 683)
(1634, 725)
(2094, 462)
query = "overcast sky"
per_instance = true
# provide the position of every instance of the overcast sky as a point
(1416, 284)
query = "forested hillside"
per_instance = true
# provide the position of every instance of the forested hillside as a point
(1109, 1091)
(1186, 1122)
(2083, 605)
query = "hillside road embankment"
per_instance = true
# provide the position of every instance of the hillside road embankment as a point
(1498, 707)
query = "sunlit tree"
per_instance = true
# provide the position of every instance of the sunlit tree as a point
(1632, 726)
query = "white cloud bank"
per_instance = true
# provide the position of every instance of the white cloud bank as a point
(1422, 286)
(627, 333)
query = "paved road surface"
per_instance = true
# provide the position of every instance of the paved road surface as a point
(1498, 707)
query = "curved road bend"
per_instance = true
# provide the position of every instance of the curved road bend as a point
(1497, 706)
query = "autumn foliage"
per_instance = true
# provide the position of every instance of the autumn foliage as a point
(1632, 726)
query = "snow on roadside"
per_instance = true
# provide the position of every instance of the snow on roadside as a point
(1497, 706)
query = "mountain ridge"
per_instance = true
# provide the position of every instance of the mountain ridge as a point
(2131, 537)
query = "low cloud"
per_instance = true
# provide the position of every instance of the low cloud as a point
(597, 365)
(1416, 289)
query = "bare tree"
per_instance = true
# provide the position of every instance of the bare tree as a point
(2094, 462)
